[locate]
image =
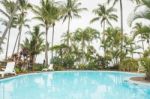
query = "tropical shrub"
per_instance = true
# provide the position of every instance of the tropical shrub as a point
(57, 61)
(129, 65)
(65, 62)
(147, 52)
(33, 46)
(93, 66)
(68, 61)
(37, 67)
(58, 68)
(17, 70)
(146, 63)
(82, 67)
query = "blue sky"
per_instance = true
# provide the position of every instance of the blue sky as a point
(75, 23)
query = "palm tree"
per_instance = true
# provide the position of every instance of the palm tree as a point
(67, 36)
(55, 16)
(121, 13)
(34, 46)
(71, 9)
(121, 9)
(44, 13)
(113, 43)
(143, 31)
(137, 1)
(130, 46)
(60, 50)
(15, 44)
(1, 49)
(93, 34)
(144, 14)
(9, 8)
(104, 15)
(85, 37)
(9, 23)
(23, 7)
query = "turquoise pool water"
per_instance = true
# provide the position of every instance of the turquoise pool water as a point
(73, 85)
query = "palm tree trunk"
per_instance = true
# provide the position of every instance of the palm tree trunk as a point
(9, 23)
(19, 39)
(46, 46)
(7, 45)
(149, 43)
(83, 44)
(15, 44)
(104, 26)
(132, 52)
(53, 39)
(61, 55)
(143, 45)
(121, 23)
(32, 61)
(68, 31)
(104, 36)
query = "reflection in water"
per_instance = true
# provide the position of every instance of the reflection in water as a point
(39, 81)
(72, 85)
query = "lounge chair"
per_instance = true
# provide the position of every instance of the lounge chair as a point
(50, 68)
(10, 69)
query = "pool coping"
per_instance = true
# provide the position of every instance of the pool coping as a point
(126, 79)
(137, 82)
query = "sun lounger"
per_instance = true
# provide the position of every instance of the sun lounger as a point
(10, 69)
(50, 68)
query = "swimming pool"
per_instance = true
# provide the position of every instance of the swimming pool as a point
(73, 85)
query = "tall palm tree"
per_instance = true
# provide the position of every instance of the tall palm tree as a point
(121, 16)
(44, 13)
(114, 2)
(113, 43)
(137, 1)
(9, 23)
(144, 14)
(84, 37)
(138, 28)
(130, 46)
(71, 9)
(93, 34)
(15, 44)
(143, 31)
(121, 9)
(55, 16)
(67, 36)
(60, 50)
(81, 37)
(34, 46)
(9, 7)
(104, 15)
(1, 49)
(23, 7)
